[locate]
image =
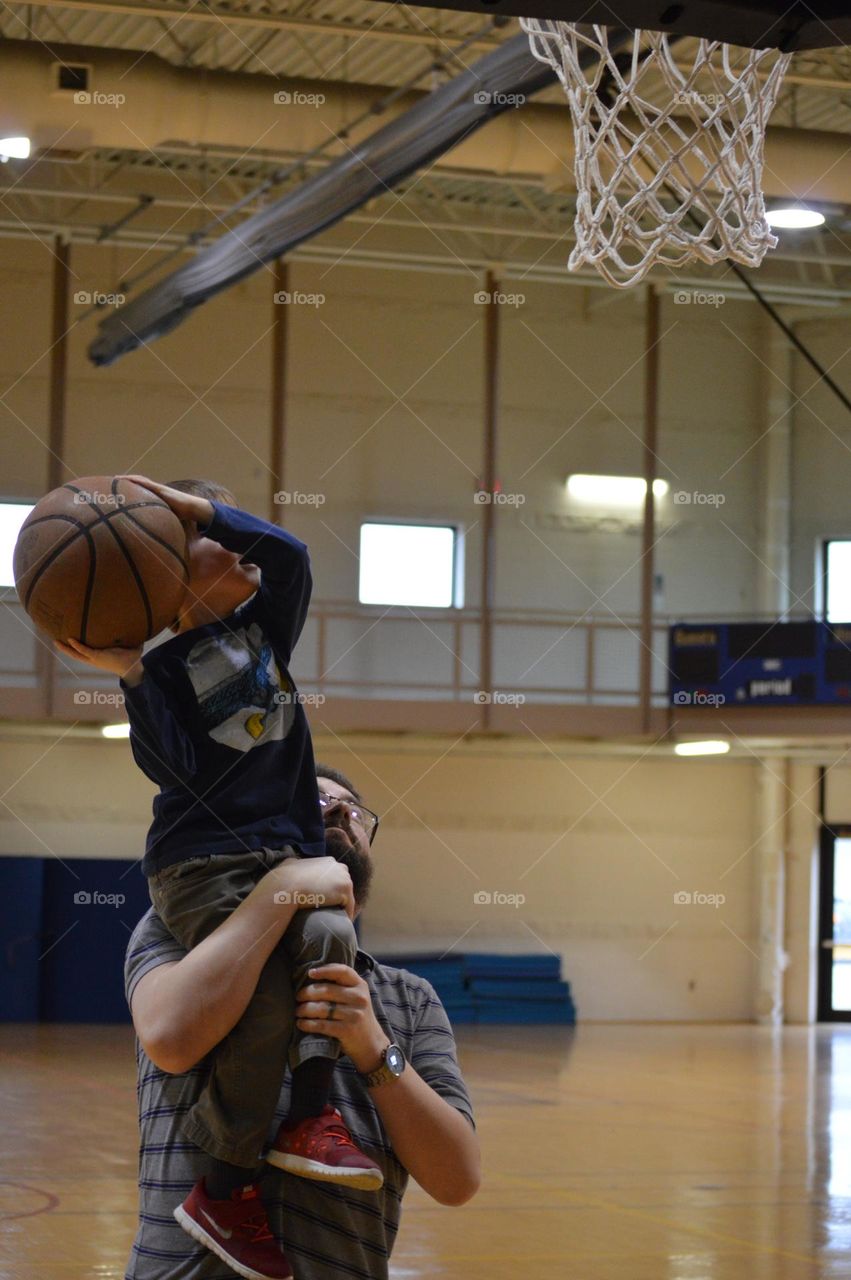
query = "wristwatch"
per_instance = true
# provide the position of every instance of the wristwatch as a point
(392, 1066)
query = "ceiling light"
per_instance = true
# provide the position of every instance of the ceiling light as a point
(620, 491)
(14, 149)
(116, 730)
(794, 217)
(712, 747)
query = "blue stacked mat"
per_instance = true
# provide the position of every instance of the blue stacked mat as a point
(487, 988)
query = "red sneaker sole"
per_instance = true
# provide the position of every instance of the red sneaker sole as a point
(197, 1232)
(360, 1179)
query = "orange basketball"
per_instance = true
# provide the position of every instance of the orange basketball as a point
(101, 560)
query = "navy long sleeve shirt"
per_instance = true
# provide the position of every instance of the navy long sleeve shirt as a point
(217, 723)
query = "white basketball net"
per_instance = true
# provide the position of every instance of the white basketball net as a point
(643, 166)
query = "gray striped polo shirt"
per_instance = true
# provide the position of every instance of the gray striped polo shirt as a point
(327, 1232)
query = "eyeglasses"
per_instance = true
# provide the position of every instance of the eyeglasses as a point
(365, 818)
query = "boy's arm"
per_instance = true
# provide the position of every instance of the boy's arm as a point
(285, 577)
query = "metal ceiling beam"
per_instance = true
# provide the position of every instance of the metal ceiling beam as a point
(175, 12)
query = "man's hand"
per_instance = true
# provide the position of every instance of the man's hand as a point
(124, 663)
(186, 506)
(353, 1023)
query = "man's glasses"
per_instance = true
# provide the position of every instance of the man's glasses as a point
(365, 818)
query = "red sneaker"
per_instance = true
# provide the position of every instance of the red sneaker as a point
(321, 1147)
(236, 1230)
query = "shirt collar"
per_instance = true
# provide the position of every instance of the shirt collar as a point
(364, 962)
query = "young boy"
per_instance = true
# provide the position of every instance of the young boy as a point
(217, 724)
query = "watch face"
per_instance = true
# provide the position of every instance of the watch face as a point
(395, 1059)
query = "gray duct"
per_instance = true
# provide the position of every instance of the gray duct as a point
(435, 125)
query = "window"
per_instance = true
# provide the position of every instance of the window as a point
(12, 516)
(412, 564)
(837, 580)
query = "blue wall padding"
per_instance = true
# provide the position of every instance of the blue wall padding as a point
(66, 931)
(480, 987)
(21, 891)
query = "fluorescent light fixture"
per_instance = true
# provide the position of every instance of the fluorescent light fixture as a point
(712, 747)
(613, 491)
(407, 564)
(794, 217)
(14, 148)
(12, 516)
(116, 730)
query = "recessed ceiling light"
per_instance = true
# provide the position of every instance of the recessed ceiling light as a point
(14, 149)
(712, 747)
(794, 218)
(621, 491)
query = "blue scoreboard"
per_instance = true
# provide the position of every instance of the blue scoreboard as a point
(760, 663)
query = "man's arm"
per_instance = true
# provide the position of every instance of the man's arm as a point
(182, 1009)
(434, 1141)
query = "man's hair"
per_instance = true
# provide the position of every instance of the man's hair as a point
(325, 771)
(208, 489)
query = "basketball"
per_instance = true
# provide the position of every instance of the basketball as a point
(101, 560)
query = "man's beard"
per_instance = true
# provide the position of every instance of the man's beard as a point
(359, 864)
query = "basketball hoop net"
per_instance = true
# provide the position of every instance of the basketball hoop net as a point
(670, 180)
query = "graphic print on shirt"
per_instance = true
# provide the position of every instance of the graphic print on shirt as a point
(243, 696)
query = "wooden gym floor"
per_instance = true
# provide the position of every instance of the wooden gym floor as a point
(636, 1152)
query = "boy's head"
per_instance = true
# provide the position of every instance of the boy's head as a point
(219, 581)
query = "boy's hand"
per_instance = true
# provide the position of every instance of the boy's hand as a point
(124, 663)
(186, 506)
(324, 881)
(352, 1022)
